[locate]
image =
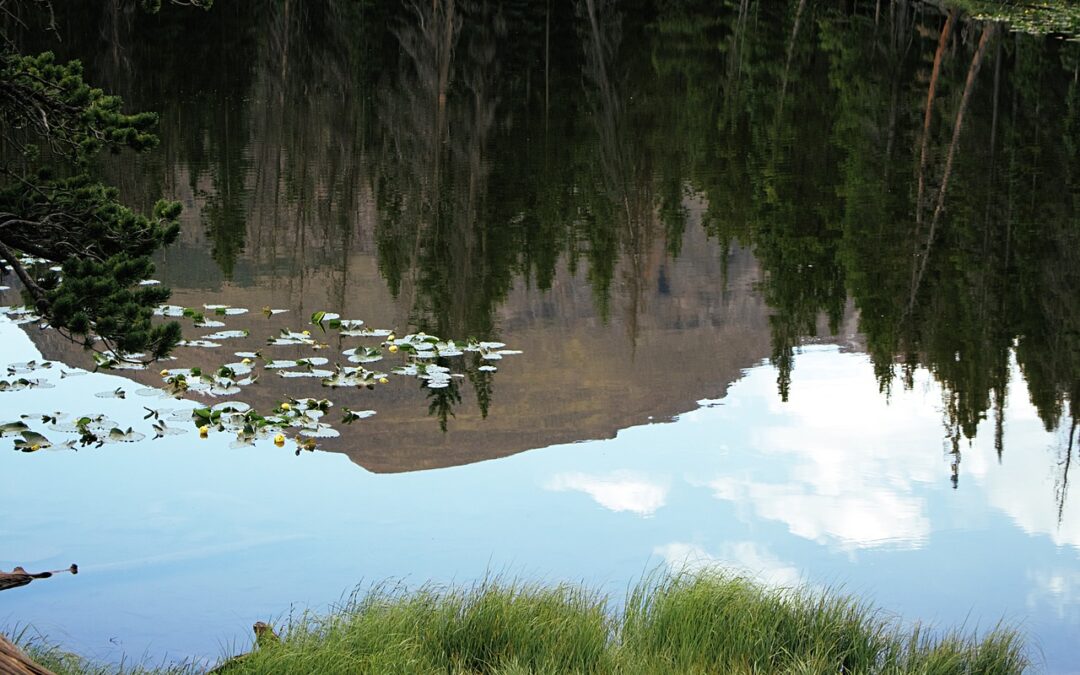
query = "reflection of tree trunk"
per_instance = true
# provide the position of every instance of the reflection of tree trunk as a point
(547, 64)
(958, 125)
(790, 55)
(969, 86)
(1063, 491)
(924, 152)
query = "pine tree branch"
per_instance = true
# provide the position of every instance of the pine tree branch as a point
(31, 286)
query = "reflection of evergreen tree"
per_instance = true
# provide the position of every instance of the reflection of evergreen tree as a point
(799, 124)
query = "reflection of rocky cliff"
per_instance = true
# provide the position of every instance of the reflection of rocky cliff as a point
(579, 378)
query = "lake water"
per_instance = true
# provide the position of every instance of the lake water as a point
(772, 316)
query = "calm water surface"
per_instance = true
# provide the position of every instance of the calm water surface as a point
(773, 316)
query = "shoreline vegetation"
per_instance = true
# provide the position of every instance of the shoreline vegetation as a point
(1037, 17)
(700, 622)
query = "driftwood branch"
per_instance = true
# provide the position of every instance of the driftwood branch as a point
(20, 577)
(14, 662)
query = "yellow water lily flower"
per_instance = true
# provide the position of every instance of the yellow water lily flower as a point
(203, 431)
(286, 407)
(392, 348)
(279, 440)
(246, 362)
(164, 373)
(383, 380)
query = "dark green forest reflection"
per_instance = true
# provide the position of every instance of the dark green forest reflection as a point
(918, 163)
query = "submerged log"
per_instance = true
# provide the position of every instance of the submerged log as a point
(20, 577)
(14, 662)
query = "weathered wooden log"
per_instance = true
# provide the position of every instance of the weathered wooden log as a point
(14, 662)
(20, 577)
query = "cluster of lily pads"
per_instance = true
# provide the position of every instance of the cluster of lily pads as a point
(422, 357)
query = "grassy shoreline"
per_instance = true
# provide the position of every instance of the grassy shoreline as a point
(690, 623)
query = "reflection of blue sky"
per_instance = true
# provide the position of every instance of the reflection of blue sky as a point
(184, 541)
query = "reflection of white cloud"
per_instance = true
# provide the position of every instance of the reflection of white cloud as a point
(1058, 590)
(1027, 487)
(743, 557)
(856, 520)
(617, 491)
(845, 467)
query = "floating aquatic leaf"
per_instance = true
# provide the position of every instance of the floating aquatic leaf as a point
(492, 345)
(25, 319)
(367, 332)
(491, 356)
(161, 429)
(28, 367)
(448, 348)
(65, 427)
(32, 441)
(353, 415)
(151, 392)
(510, 352)
(204, 344)
(288, 337)
(149, 282)
(169, 310)
(280, 363)
(351, 324)
(487, 369)
(248, 355)
(117, 435)
(321, 319)
(236, 369)
(24, 383)
(320, 431)
(224, 389)
(13, 428)
(231, 406)
(4, 288)
(226, 335)
(234, 311)
(363, 355)
(115, 393)
(314, 372)
(209, 323)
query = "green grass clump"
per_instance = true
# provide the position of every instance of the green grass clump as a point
(486, 629)
(692, 623)
(707, 623)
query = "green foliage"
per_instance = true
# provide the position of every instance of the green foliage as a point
(53, 211)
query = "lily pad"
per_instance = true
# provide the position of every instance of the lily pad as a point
(226, 335)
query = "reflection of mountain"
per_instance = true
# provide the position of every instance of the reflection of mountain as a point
(919, 167)
(579, 377)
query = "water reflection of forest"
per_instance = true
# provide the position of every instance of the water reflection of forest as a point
(919, 163)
